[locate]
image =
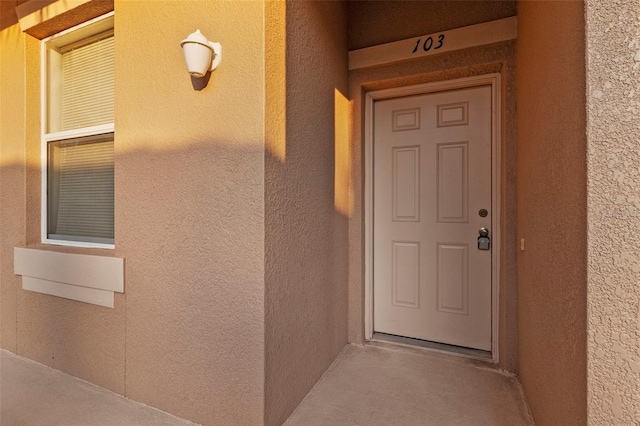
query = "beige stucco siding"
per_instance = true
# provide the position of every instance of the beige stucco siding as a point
(613, 131)
(187, 336)
(189, 209)
(83, 340)
(552, 217)
(12, 174)
(306, 243)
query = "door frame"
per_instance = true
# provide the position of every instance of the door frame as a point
(492, 80)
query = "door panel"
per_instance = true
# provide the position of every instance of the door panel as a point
(406, 274)
(453, 278)
(453, 183)
(406, 184)
(432, 175)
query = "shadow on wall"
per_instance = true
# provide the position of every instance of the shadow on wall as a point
(197, 311)
(190, 222)
(307, 208)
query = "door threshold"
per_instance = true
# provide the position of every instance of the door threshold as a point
(434, 346)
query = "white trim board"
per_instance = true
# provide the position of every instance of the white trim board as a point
(494, 81)
(90, 279)
(433, 44)
(73, 292)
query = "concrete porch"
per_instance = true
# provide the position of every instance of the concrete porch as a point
(384, 384)
(377, 384)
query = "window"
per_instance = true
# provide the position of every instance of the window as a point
(78, 135)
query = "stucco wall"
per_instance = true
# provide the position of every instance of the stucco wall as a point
(305, 229)
(613, 132)
(552, 213)
(83, 340)
(189, 209)
(80, 339)
(187, 336)
(12, 171)
(497, 58)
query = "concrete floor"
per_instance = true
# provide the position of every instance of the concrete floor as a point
(377, 384)
(382, 384)
(33, 394)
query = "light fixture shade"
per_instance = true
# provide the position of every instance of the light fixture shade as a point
(198, 58)
(200, 54)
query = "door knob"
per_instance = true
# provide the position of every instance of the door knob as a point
(483, 232)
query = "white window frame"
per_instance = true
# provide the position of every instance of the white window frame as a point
(61, 136)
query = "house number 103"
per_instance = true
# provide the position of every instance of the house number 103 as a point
(429, 43)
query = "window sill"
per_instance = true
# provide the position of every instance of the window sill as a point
(81, 277)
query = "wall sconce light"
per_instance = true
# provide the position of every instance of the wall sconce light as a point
(200, 54)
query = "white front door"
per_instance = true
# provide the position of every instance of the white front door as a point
(432, 195)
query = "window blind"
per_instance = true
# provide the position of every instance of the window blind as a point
(87, 84)
(81, 199)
